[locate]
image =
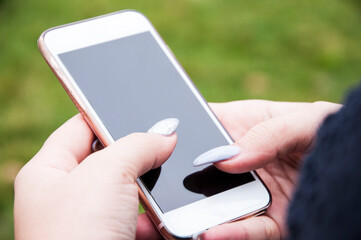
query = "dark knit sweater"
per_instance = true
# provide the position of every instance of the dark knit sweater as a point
(327, 203)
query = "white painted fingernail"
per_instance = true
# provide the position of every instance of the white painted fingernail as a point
(216, 154)
(165, 127)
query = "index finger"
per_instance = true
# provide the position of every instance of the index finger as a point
(240, 116)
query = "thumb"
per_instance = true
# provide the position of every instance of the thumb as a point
(270, 140)
(286, 135)
(130, 157)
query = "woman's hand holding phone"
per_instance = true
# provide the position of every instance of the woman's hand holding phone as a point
(67, 192)
(273, 137)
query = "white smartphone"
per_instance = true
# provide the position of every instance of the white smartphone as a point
(123, 79)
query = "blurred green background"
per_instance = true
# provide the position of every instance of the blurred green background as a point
(234, 49)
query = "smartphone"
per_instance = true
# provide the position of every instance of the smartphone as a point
(123, 78)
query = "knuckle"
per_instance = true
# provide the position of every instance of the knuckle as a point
(141, 138)
(134, 136)
(265, 131)
(119, 168)
(268, 135)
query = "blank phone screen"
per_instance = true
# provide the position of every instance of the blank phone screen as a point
(131, 84)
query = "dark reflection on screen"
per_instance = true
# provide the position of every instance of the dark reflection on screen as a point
(211, 181)
(208, 182)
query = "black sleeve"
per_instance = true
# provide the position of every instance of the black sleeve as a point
(327, 202)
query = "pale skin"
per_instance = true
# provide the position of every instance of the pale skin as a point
(66, 192)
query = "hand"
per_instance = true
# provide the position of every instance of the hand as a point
(67, 192)
(273, 138)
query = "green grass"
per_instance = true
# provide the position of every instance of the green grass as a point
(236, 49)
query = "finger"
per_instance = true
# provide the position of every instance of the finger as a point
(240, 116)
(131, 156)
(68, 145)
(276, 137)
(253, 228)
(146, 228)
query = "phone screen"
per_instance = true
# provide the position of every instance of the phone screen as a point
(131, 84)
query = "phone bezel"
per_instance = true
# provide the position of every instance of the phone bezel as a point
(189, 219)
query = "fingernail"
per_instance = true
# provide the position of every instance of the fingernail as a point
(97, 145)
(165, 127)
(216, 154)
